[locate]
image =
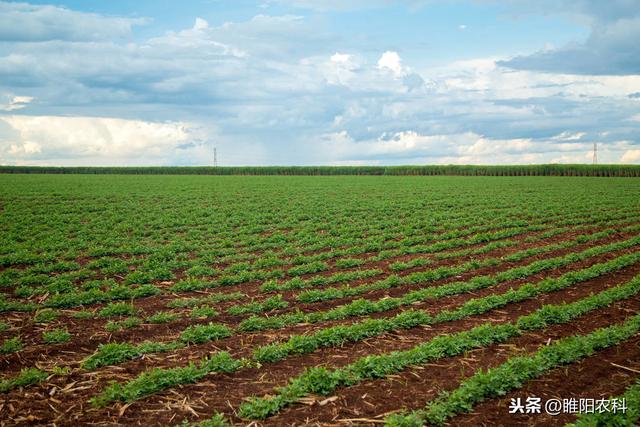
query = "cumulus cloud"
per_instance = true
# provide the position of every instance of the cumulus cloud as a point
(465, 148)
(92, 140)
(23, 22)
(281, 90)
(391, 61)
(631, 156)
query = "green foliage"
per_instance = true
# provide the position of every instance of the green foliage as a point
(120, 325)
(159, 379)
(209, 299)
(84, 314)
(268, 304)
(46, 315)
(162, 317)
(313, 267)
(338, 335)
(198, 334)
(56, 336)
(114, 353)
(370, 367)
(75, 299)
(11, 345)
(27, 376)
(203, 312)
(363, 306)
(517, 370)
(218, 420)
(117, 309)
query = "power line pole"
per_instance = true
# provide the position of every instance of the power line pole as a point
(595, 153)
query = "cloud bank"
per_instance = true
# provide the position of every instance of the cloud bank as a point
(286, 89)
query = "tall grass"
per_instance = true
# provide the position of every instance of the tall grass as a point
(464, 170)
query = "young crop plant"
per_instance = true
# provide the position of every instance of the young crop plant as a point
(206, 300)
(46, 315)
(516, 371)
(360, 260)
(75, 299)
(363, 306)
(349, 262)
(324, 381)
(159, 379)
(26, 377)
(200, 271)
(115, 353)
(11, 345)
(56, 336)
(203, 312)
(217, 420)
(199, 334)
(162, 317)
(312, 267)
(254, 307)
(84, 314)
(118, 309)
(120, 325)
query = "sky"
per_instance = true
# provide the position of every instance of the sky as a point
(309, 82)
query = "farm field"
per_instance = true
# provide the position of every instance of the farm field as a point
(319, 300)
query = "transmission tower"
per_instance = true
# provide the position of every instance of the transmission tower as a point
(595, 153)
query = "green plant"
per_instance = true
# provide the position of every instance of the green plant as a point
(11, 345)
(119, 325)
(27, 376)
(117, 309)
(56, 336)
(202, 333)
(268, 304)
(159, 379)
(203, 312)
(45, 316)
(84, 314)
(162, 317)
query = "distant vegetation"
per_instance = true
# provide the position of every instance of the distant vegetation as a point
(467, 170)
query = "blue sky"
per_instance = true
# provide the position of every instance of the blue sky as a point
(307, 82)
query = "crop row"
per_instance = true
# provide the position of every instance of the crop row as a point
(514, 372)
(320, 380)
(363, 306)
(480, 305)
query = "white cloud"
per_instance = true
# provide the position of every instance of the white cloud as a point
(272, 84)
(200, 24)
(464, 148)
(631, 156)
(569, 136)
(391, 61)
(16, 102)
(93, 140)
(340, 58)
